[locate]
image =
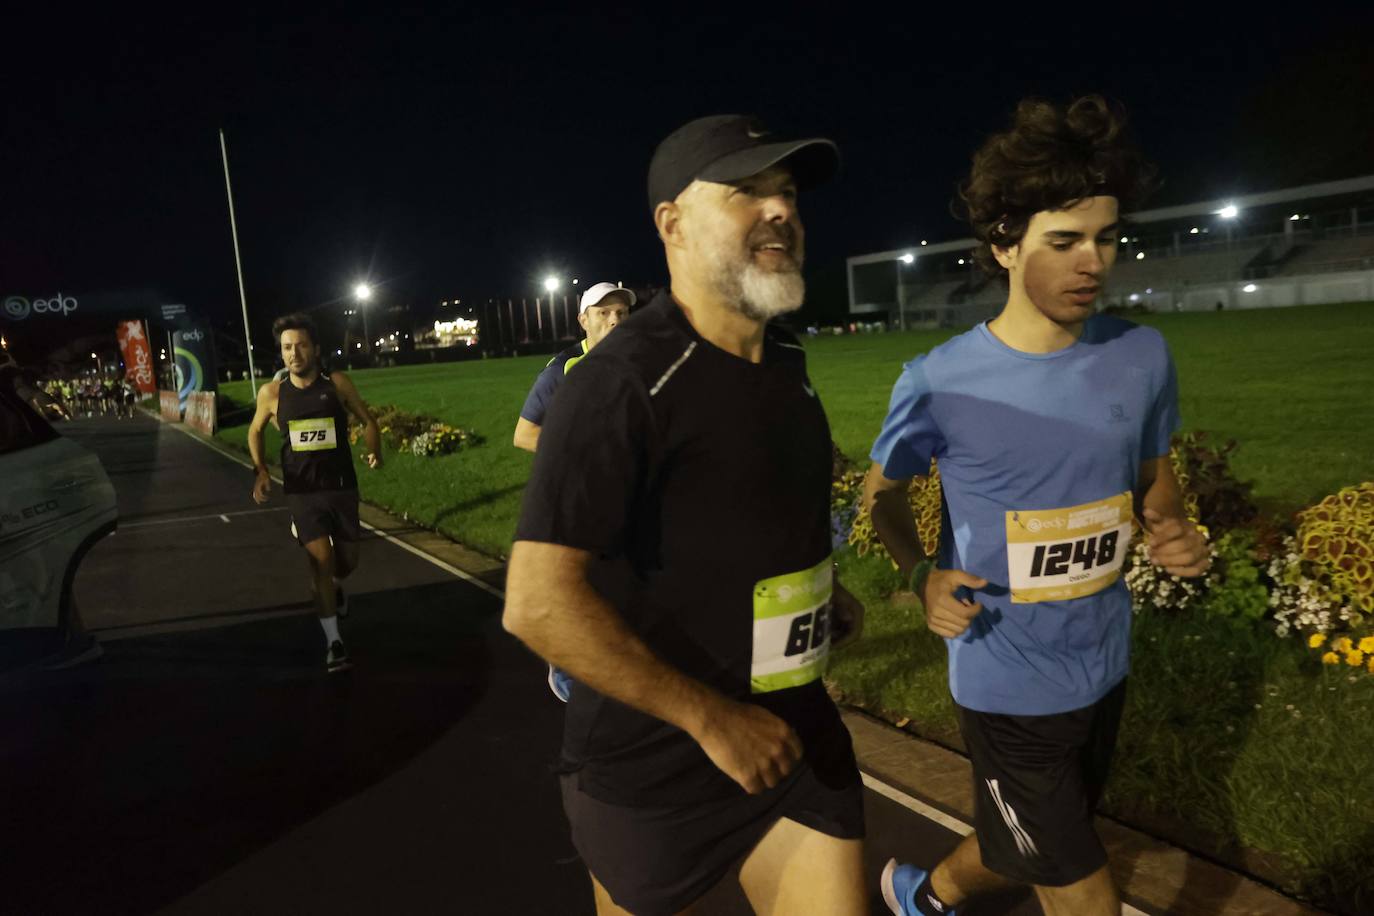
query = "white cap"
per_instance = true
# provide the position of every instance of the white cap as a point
(596, 293)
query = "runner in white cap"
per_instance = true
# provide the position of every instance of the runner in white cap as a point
(603, 306)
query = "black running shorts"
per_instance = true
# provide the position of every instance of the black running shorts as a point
(1037, 781)
(657, 861)
(325, 513)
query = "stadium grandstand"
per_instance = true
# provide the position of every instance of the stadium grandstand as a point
(1299, 246)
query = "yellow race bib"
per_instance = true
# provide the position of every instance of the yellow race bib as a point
(791, 628)
(312, 435)
(1061, 554)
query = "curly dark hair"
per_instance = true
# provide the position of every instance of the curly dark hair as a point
(297, 321)
(1050, 159)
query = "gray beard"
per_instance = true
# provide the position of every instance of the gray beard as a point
(755, 293)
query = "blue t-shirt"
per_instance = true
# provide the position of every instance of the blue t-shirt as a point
(541, 393)
(1017, 435)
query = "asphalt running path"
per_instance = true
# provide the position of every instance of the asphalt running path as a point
(207, 764)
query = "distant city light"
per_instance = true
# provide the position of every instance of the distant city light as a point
(362, 292)
(550, 283)
(1124, 240)
(1140, 255)
(923, 241)
(1228, 212)
(574, 281)
(338, 353)
(1249, 287)
(961, 260)
(907, 258)
(358, 346)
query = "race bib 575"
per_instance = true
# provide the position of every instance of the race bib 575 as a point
(791, 628)
(312, 435)
(1060, 554)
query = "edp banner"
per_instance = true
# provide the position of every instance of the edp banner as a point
(138, 355)
(195, 360)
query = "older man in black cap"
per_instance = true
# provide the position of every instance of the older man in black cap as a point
(673, 556)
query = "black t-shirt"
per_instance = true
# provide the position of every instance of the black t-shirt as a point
(314, 451)
(695, 476)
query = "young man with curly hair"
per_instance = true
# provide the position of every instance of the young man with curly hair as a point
(1051, 427)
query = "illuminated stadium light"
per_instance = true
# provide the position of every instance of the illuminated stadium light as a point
(1148, 290)
(1124, 240)
(923, 242)
(362, 292)
(1193, 231)
(1135, 297)
(358, 346)
(1230, 211)
(907, 258)
(1249, 287)
(1140, 255)
(575, 281)
(1294, 217)
(338, 352)
(550, 283)
(961, 260)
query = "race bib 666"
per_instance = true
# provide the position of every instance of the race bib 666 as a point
(1060, 554)
(791, 628)
(312, 435)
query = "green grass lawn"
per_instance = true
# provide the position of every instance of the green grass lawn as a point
(1294, 386)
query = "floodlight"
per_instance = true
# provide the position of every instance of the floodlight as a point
(362, 292)
(550, 283)
(907, 258)
(1294, 217)
(1230, 211)
(1140, 255)
(1249, 287)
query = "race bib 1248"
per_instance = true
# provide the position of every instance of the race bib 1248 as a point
(1061, 554)
(791, 628)
(312, 435)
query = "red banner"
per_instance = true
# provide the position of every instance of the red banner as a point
(200, 411)
(138, 356)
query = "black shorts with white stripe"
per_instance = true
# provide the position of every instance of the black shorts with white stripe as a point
(1037, 781)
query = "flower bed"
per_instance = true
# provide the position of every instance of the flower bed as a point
(1311, 577)
(421, 435)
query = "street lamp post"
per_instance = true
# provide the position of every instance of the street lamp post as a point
(363, 293)
(551, 283)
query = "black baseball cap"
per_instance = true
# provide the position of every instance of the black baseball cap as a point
(732, 147)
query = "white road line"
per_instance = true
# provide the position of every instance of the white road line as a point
(222, 516)
(906, 801)
(446, 567)
(918, 806)
(949, 822)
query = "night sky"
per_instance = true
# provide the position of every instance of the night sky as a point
(460, 154)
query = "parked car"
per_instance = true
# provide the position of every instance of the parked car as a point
(56, 502)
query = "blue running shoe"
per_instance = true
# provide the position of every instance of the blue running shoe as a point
(899, 884)
(560, 683)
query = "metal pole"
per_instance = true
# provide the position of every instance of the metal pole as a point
(238, 267)
(539, 319)
(901, 306)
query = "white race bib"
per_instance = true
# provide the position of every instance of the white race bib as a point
(791, 628)
(1061, 554)
(312, 435)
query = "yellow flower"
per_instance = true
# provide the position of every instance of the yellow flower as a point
(1367, 645)
(1354, 659)
(1343, 644)
(1371, 664)
(1331, 658)
(1315, 640)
